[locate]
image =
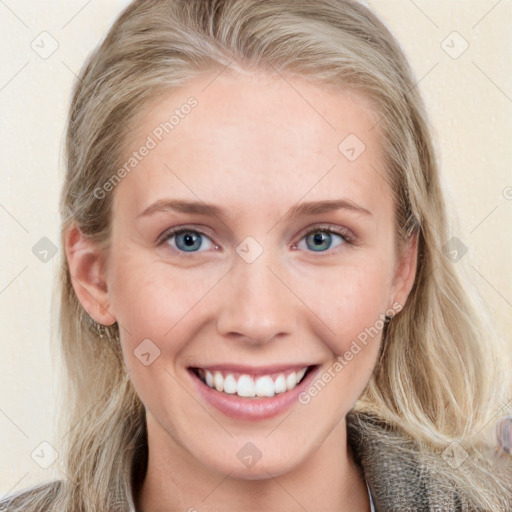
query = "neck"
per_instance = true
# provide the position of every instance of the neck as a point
(175, 480)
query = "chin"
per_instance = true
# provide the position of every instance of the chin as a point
(242, 467)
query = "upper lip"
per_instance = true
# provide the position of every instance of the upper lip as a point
(253, 370)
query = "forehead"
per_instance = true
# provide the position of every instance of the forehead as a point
(254, 140)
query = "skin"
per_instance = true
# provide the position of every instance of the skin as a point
(254, 147)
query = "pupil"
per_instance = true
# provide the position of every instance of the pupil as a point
(320, 238)
(187, 240)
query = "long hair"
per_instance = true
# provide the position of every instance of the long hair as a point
(441, 376)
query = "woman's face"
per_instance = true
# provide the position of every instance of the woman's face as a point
(265, 284)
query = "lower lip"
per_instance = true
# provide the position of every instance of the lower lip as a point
(252, 409)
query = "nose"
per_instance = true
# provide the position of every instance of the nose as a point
(256, 305)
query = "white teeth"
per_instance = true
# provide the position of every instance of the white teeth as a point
(218, 381)
(300, 374)
(280, 386)
(246, 386)
(265, 386)
(291, 381)
(230, 384)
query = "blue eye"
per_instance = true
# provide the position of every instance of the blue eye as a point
(187, 240)
(319, 239)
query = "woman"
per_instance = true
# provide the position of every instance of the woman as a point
(257, 312)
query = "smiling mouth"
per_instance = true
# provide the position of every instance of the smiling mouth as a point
(248, 385)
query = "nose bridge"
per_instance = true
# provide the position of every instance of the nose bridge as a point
(256, 304)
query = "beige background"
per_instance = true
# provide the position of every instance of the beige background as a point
(470, 103)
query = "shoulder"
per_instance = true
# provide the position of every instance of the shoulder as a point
(399, 474)
(36, 498)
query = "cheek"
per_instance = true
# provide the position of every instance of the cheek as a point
(160, 310)
(147, 296)
(353, 301)
(354, 311)
(152, 305)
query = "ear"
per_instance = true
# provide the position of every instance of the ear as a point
(87, 268)
(405, 271)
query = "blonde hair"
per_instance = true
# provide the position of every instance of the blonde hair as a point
(441, 376)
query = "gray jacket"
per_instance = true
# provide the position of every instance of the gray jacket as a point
(401, 478)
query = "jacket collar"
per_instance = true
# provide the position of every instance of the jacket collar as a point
(396, 475)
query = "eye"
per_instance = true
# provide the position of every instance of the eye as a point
(322, 238)
(186, 240)
(319, 239)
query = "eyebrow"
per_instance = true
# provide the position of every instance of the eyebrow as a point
(301, 209)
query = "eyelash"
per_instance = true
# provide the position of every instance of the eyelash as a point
(345, 234)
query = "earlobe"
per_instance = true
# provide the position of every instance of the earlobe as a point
(405, 272)
(86, 265)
